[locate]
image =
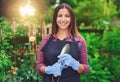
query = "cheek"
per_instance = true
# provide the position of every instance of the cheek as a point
(69, 20)
(57, 19)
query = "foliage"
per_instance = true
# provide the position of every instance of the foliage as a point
(26, 68)
(117, 3)
(112, 40)
(97, 72)
(16, 62)
(113, 65)
(48, 17)
(72, 3)
(96, 13)
(114, 69)
(5, 58)
(103, 55)
(111, 46)
(21, 30)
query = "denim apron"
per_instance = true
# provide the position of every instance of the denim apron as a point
(51, 50)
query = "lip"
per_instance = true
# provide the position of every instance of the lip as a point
(63, 24)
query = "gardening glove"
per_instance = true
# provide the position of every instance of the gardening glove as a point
(68, 60)
(55, 69)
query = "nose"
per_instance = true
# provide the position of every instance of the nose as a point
(63, 18)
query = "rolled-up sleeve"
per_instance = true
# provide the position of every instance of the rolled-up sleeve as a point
(40, 59)
(83, 54)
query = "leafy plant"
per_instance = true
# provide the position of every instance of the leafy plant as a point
(112, 40)
(97, 72)
(95, 14)
(5, 47)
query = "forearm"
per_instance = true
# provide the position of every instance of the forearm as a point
(80, 69)
(42, 69)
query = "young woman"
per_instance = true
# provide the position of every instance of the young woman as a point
(74, 63)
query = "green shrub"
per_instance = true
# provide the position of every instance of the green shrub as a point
(97, 71)
(111, 40)
(5, 47)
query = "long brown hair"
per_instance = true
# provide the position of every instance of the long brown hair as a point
(72, 27)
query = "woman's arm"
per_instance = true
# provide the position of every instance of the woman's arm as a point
(42, 69)
(40, 65)
(83, 56)
(81, 68)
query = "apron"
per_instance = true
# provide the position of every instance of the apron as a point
(51, 50)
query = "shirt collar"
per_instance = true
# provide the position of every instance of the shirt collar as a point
(68, 38)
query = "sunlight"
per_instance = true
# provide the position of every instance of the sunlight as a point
(27, 10)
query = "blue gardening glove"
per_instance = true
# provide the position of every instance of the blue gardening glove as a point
(55, 69)
(68, 60)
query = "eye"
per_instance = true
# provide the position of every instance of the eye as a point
(59, 15)
(67, 15)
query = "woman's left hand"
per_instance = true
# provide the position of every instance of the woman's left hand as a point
(68, 60)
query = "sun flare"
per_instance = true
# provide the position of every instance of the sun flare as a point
(27, 10)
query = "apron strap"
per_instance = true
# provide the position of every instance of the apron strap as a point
(76, 44)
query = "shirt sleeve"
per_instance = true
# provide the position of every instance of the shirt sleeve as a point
(83, 54)
(40, 59)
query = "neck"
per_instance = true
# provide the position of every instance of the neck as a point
(62, 34)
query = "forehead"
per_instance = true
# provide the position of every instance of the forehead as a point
(63, 10)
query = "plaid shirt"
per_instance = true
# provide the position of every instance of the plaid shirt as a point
(82, 45)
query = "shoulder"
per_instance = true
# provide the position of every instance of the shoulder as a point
(79, 38)
(46, 37)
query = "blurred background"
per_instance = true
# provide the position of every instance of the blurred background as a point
(23, 23)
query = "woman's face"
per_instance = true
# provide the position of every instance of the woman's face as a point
(63, 19)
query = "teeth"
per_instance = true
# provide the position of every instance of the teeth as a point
(63, 24)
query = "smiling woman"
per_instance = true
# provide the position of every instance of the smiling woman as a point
(75, 62)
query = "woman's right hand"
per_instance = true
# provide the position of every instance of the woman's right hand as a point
(55, 69)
